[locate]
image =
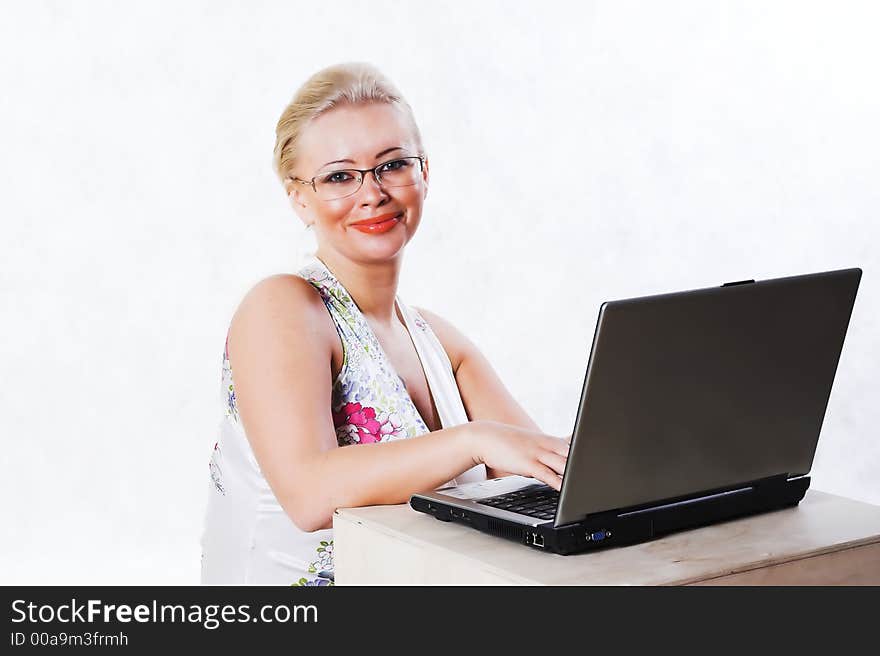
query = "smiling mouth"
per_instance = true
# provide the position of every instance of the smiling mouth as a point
(378, 219)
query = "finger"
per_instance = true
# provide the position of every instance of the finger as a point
(548, 476)
(562, 447)
(554, 461)
(558, 445)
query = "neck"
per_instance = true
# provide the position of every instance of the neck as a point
(373, 287)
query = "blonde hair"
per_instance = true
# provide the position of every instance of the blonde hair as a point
(351, 83)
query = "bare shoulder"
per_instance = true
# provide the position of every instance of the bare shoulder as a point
(454, 342)
(280, 305)
(283, 287)
(280, 295)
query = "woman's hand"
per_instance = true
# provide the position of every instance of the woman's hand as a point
(520, 451)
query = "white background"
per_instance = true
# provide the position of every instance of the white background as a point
(580, 152)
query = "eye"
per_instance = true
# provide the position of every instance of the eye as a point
(337, 177)
(394, 165)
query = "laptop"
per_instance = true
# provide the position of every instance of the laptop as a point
(697, 407)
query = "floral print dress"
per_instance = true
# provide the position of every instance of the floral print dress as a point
(247, 537)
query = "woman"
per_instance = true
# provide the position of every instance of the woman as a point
(343, 395)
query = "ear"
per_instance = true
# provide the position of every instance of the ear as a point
(425, 177)
(297, 200)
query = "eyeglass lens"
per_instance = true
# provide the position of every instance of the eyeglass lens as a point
(400, 172)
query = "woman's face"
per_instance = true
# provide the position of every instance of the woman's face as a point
(359, 137)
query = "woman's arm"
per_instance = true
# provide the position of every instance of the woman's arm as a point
(482, 392)
(280, 356)
(386, 472)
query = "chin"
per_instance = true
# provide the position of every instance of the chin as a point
(377, 250)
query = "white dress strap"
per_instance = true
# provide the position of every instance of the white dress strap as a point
(441, 381)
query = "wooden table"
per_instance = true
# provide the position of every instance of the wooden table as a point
(825, 540)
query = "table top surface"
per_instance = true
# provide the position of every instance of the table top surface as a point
(821, 523)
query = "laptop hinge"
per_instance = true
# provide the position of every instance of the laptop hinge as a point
(772, 481)
(763, 485)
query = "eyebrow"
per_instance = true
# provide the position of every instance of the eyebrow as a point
(378, 155)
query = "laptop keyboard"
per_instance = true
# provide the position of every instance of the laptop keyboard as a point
(536, 501)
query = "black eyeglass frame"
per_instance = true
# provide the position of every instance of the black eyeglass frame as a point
(363, 174)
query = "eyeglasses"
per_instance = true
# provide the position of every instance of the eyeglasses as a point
(333, 185)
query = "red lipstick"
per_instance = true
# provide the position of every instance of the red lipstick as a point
(378, 224)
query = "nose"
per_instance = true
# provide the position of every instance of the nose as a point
(371, 190)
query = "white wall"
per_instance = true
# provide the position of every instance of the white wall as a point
(580, 152)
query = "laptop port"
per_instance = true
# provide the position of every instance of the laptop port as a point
(538, 540)
(595, 536)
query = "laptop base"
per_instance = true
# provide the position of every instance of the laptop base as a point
(631, 526)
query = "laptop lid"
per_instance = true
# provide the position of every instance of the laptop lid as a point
(705, 390)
